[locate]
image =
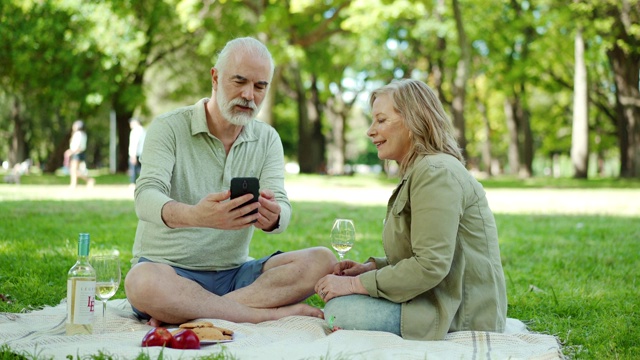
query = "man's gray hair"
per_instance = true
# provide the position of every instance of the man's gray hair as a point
(248, 45)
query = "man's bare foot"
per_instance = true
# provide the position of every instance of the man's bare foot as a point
(154, 322)
(298, 309)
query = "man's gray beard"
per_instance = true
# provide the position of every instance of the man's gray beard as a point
(226, 108)
(237, 119)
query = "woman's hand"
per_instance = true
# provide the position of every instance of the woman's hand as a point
(352, 268)
(331, 286)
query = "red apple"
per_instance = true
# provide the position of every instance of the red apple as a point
(158, 336)
(185, 339)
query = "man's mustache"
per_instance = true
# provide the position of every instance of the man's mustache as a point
(244, 103)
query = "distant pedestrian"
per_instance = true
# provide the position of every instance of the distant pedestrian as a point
(76, 155)
(136, 140)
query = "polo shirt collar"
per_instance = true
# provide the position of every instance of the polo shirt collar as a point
(199, 119)
(199, 123)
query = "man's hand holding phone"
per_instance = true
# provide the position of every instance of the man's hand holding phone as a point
(215, 210)
(248, 206)
(269, 210)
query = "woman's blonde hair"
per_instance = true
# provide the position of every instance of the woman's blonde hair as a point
(430, 128)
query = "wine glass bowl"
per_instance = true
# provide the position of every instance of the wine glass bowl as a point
(343, 235)
(108, 277)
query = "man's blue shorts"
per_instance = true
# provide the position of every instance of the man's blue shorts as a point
(219, 282)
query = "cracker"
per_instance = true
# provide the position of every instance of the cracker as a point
(196, 324)
(210, 333)
(224, 331)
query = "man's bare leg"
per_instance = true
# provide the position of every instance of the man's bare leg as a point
(287, 279)
(157, 290)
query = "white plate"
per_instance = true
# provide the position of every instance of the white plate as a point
(209, 342)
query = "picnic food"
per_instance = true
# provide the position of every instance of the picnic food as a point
(196, 324)
(207, 331)
(185, 339)
(158, 336)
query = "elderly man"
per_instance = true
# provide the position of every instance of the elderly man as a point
(192, 242)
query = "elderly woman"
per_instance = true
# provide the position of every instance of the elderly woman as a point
(441, 271)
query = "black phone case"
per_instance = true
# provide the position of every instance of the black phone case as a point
(245, 185)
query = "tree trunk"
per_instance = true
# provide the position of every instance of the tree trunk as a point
(336, 145)
(436, 62)
(123, 114)
(520, 152)
(460, 82)
(18, 148)
(310, 139)
(514, 144)
(526, 171)
(626, 71)
(525, 136)
(580, 128)
(486, 143)
(318, 140)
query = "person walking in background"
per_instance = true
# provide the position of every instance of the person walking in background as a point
(442, 270)
(76, 155)
(136, 141)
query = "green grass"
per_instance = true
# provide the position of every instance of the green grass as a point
(561, 183)
(571, 276)
(103, 177)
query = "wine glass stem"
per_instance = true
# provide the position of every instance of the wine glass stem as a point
(103, 330)
(341, 256)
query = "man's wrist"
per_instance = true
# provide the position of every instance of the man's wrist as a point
(275, 226)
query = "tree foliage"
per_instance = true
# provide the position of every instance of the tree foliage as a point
(61, 60)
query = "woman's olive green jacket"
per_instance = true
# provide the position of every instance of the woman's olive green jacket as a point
(442, 257)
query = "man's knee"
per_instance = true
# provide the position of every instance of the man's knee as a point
(325, 254)
(322, 257)
(133, 283)
(140, 281)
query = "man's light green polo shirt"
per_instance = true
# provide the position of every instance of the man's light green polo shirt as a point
(182, 161)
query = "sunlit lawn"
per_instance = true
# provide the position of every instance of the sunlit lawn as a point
(574, 276)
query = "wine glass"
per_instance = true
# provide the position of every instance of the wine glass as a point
(108, 276)
(343, 234)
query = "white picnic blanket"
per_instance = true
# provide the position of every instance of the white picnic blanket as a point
(40, 334)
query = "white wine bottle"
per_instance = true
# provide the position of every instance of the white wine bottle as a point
(81, 292)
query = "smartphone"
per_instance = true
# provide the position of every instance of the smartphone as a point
(245, 185)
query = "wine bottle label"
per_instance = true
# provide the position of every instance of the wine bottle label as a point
(80, 301)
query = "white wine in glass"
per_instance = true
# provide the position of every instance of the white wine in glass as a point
(343, 235)
(108, 276)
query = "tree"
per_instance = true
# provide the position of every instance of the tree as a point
(580, 133)
(60, 61)
(624, 56)
(312, 38)
(460, 81)
(615, 24)
(138, 35)
(49, 72)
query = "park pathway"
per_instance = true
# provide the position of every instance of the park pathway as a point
(625, 202)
